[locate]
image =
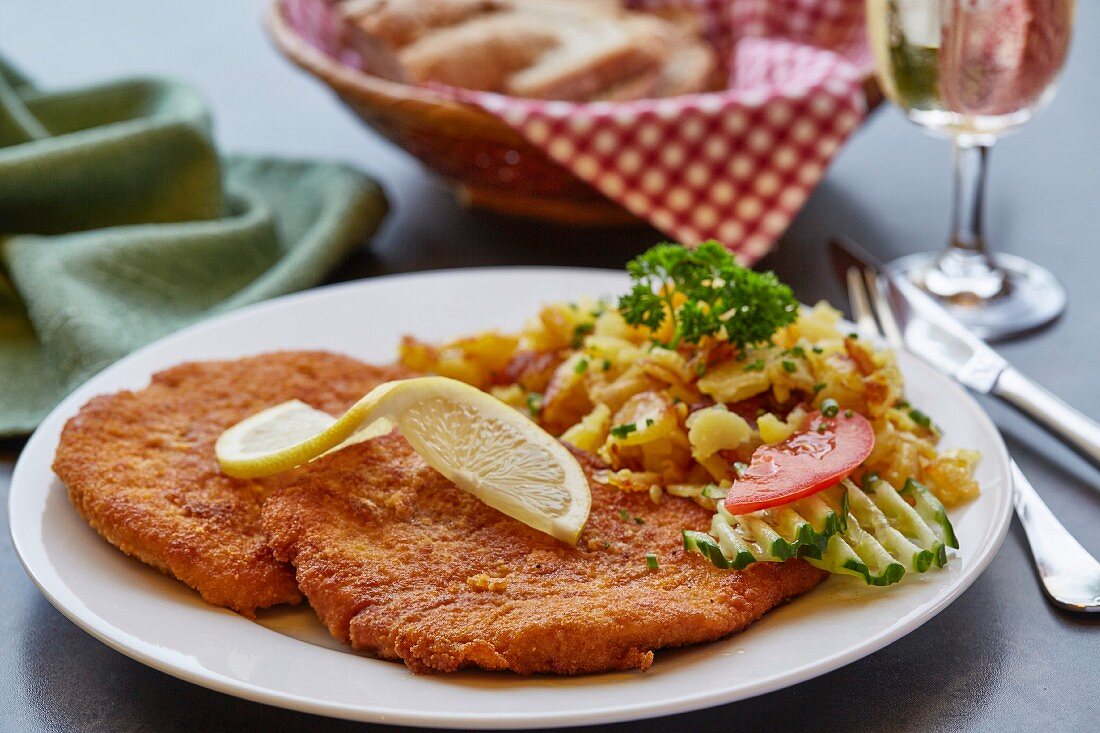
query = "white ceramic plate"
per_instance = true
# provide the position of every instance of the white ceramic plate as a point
(288, 659)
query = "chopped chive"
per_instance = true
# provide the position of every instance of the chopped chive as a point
(848, 413)
(901, 405)
(819, 387)
(700, 368)
(648, 421)
(818, 350)
(581, 367)
(651, 561)
(920, 418)
(798, 351)
(621, 431)
(822, 428)
(534, 403)
(789, 366)
(755, 366)
(625, 516)
(580, 331)
(606, 365)
(853, 336)
(830, 407)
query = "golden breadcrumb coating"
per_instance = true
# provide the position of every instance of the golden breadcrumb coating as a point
(401, 563)
(140, 467)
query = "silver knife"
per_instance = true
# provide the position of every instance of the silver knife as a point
(932, 332)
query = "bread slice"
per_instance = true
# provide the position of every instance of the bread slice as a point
(692, 68)
(397, 23)
(597, 50)
(547, 49)
(484, 53)
(378, 29)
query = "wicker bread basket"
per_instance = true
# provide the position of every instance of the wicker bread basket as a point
(490, 165)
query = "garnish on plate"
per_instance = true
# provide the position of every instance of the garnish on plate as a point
(703, 369)
(476, 441)
(705, 293)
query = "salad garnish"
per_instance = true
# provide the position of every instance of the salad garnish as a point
(705, 293)
(708, 381)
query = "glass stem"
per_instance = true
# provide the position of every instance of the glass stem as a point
(966, 272)
(966, 215)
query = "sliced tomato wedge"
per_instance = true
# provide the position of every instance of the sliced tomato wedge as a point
(821, 455)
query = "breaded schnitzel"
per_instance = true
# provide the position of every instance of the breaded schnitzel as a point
(140, 467)
(403, 564)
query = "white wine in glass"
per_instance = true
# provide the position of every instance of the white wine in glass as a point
(972, 70)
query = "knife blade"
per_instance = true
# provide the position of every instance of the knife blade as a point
(931, 332)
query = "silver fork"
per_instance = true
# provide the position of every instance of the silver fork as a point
(1070, 575)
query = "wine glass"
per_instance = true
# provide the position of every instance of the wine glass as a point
(971, 71)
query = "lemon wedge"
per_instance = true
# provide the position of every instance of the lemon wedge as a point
(481, 444)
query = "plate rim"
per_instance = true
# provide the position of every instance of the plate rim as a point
(135, 648)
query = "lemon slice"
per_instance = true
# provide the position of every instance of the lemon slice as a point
(475, 440)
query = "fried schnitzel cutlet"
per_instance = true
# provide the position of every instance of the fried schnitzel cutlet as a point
(401, 563)
(140, 467)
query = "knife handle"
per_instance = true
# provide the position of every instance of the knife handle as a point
(1076, 430)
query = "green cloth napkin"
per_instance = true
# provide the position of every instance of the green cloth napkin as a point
(119, 223)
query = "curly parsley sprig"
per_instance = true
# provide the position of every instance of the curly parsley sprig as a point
(720, 297)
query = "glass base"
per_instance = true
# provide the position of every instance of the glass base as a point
(1029, 296)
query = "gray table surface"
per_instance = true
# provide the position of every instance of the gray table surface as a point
(999, 658)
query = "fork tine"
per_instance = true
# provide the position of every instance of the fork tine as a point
(877, 287)
(861, 306)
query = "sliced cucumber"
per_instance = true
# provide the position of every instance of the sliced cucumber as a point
(705, 495)
(705, 545)
(909, 522)
(789, 523)
(775, 546)
(740, 550)
(776, 534)
(931, 511)
(871, 564)
(712, 492)
(823, 518)
(879, 565)
(840, 558)
(868, 515)
(836, 498)
(874, 535)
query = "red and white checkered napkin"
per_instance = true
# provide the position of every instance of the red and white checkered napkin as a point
(734, 165)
